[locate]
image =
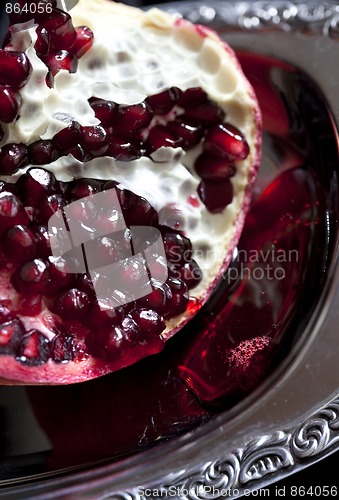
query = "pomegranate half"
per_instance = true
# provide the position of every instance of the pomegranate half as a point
(130, 143)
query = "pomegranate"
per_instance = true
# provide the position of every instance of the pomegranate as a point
(129, 148)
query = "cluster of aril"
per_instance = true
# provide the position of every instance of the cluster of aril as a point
(128, 132)
(59, 46)
(25, 209)
(171, 118)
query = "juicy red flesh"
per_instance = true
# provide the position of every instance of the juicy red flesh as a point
(55, 33)
(15, 69)
(12, 158)
(61, 60)
(42, 152)
(83, 41)
(212, 167)
(94, 140)
(226, 141)
(110, 332)
(216, 194)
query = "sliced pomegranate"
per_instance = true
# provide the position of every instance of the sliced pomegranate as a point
(103, 202)
(15, 68)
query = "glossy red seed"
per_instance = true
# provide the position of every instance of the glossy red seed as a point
(82, 188)
(67, 137)
(192, 97)
(178, 248)
(34, 349)
(94, 140)
(216, 194)
(72, 304)
(159, 136)
(124, 149)
(12, 212)
(163, 102)
(15, 68)
(35, 185)
(10, 102)
(49, 206)
(134, 117)
(180, 296)
(211, 167)
(42, 152)
(141, 213)
(114, 344)
(126, 198)
(188, 135)
(55, 33)
(61, 60)
(190, 273)
(104, 315)
(32, 277)
(105, 111)
(20, 243)
(11, 334)
(158, 299)
(77, 152)
(151, 323)
(83, 41)
(205, 114)
(226, 141)
(12, 158)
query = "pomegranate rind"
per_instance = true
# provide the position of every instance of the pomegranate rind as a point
(100, 13)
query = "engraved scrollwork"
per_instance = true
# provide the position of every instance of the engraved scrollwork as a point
(259, 458)
(317, 433)
(265, 456)
(220, 475)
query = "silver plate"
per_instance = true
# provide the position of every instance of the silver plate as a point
(293, 422)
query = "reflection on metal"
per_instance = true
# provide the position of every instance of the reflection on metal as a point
(241, 470)
(308, 18)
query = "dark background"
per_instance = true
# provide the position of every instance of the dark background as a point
(324, 473)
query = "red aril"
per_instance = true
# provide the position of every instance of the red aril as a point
(55, 33)
(61, 60)
(83, 41)
(15, 68)
(226, 141)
